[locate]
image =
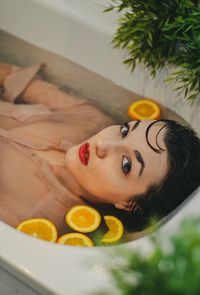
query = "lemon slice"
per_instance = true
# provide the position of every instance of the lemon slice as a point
(115, 232)
(83, 218)
(40, 228)
(144, 109)
(75, 239)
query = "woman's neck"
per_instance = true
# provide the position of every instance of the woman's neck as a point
(67, 180)
(53, 157)
(56, 159)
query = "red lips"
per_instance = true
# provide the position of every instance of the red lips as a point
(84, 153)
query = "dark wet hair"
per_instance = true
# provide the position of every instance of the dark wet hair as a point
(183, 146)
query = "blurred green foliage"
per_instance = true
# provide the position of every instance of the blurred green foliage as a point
(160, 33)
(172, 266)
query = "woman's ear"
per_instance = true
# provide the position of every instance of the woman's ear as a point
(123, 206)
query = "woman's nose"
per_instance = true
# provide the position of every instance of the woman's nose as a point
(103, 147)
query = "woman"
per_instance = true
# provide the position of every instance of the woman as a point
(63, 151)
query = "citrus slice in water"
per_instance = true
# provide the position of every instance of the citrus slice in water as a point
(115, 232)
(144, 109)
(75, 239)
(40, 228)
(83, 218)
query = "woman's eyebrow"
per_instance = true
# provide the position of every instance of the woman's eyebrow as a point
(140, 160)
(135, 125)
(137, 153)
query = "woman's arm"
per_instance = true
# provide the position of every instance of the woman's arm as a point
(17, 82)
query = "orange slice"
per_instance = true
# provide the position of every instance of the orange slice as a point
(39, 228)
(83, 218)
(144, 109)
(116, 230)
(75, 239)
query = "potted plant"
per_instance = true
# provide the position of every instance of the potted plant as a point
(159, 34)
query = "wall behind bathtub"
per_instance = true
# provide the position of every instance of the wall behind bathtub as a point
(79, 31)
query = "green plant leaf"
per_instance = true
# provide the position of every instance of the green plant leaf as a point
(172, 266)
(159, 33)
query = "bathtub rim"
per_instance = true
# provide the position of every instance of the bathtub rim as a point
(15, 263)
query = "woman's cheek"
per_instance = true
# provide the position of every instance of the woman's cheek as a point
(107, 177)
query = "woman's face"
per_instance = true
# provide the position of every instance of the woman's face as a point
(121, 162)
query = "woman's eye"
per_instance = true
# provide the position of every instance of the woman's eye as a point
(124, 129)
(126, 165)
(126, 162)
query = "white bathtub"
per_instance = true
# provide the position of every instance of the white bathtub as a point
(56, 269)
(78, 31)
